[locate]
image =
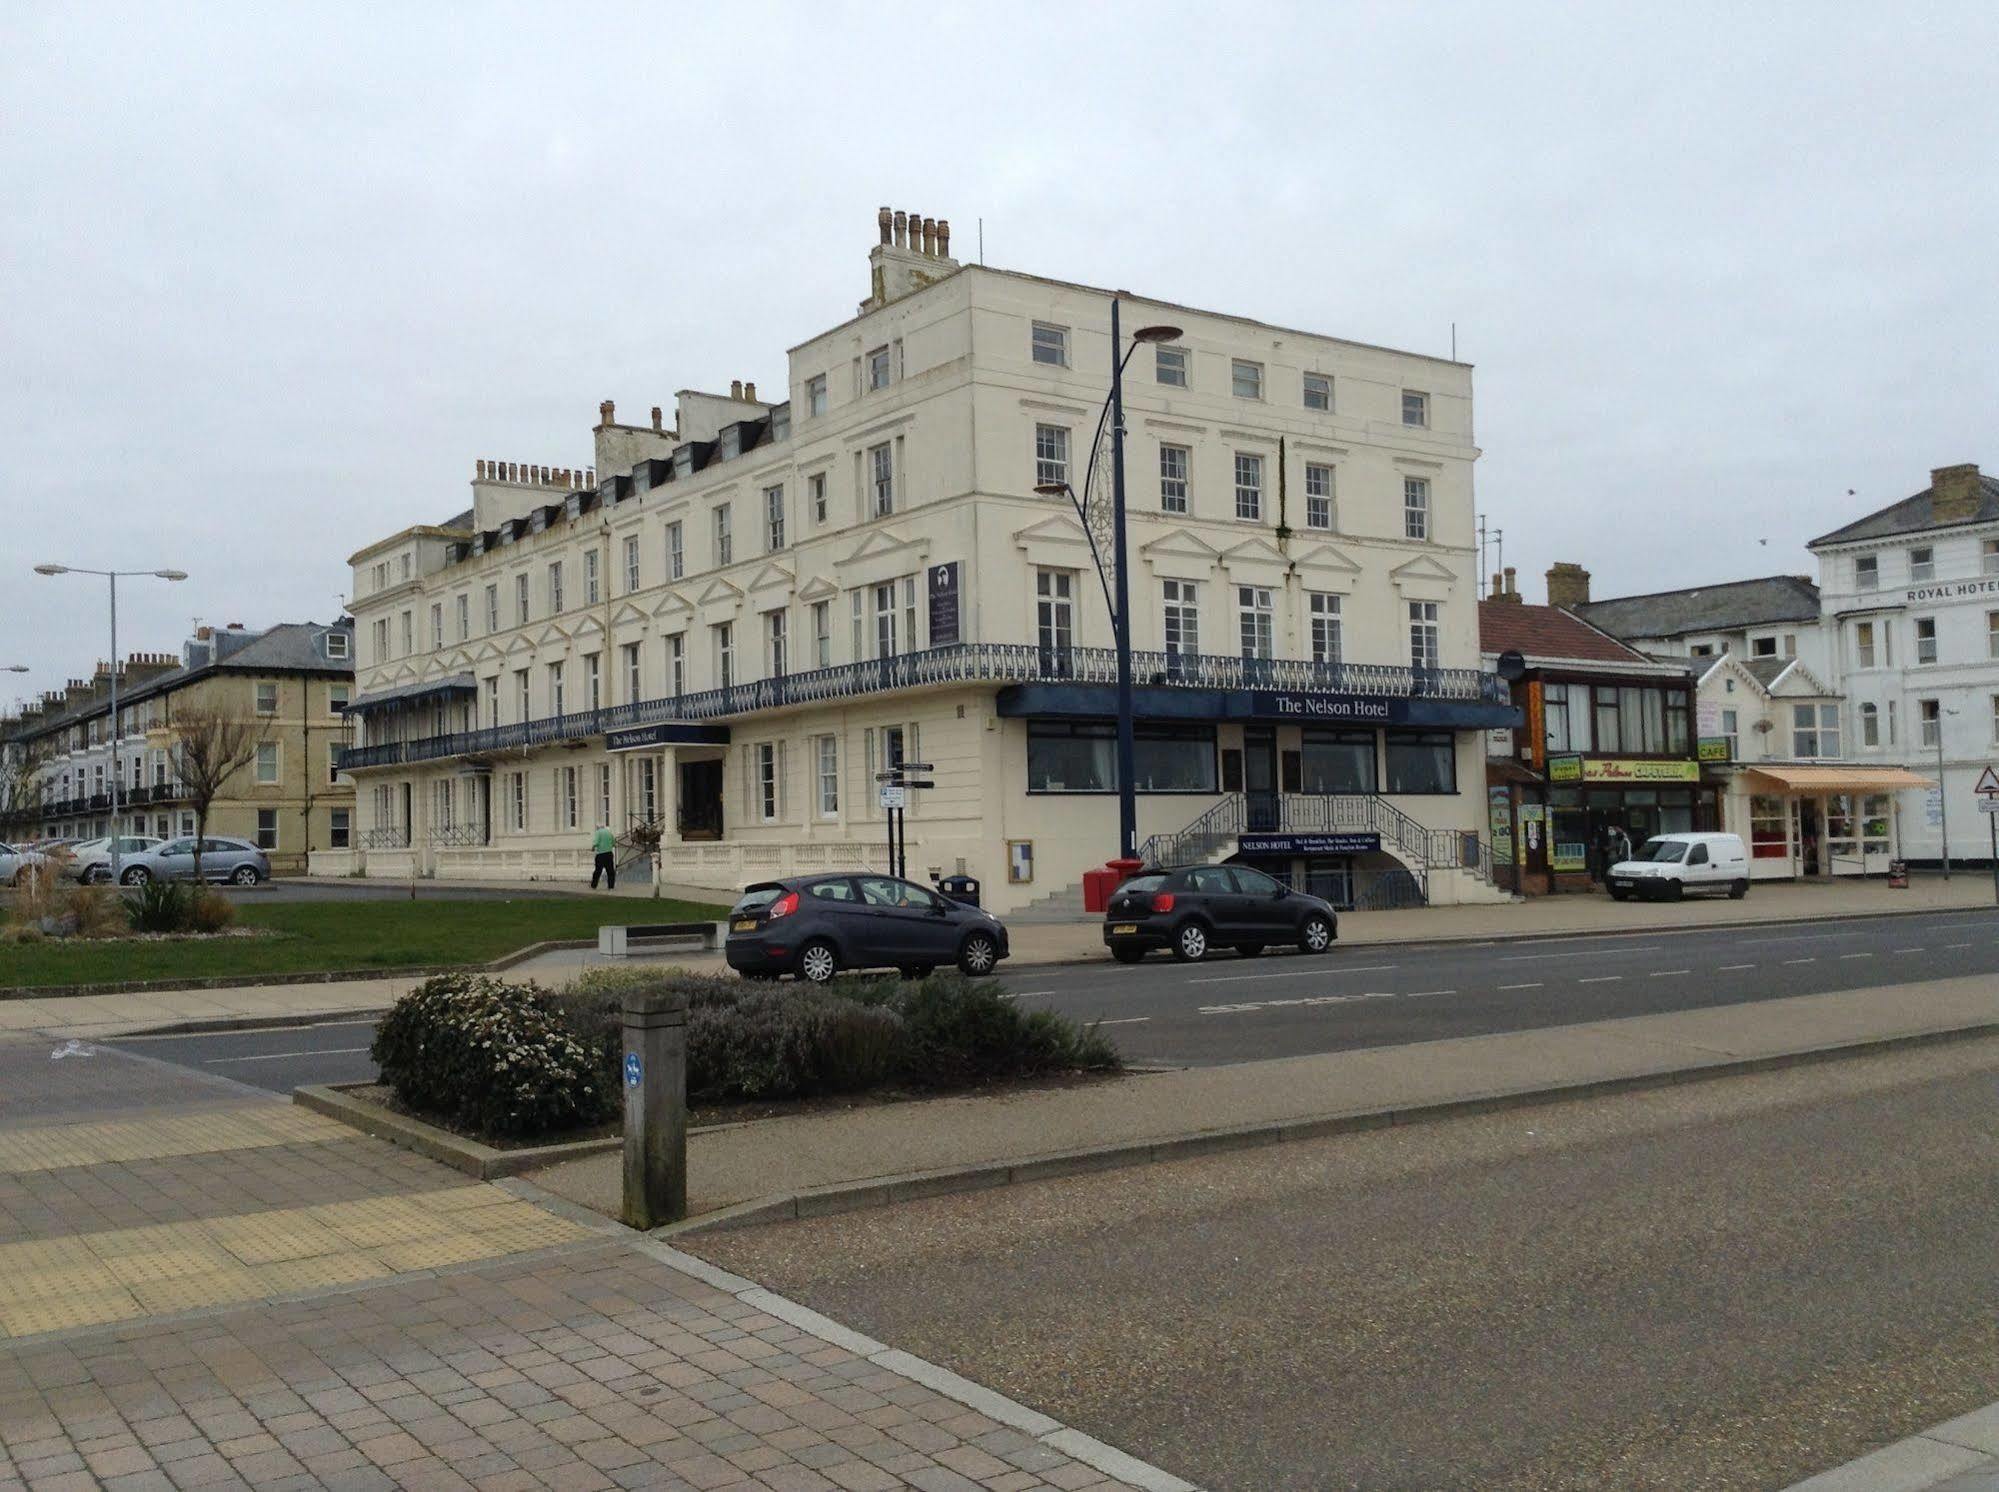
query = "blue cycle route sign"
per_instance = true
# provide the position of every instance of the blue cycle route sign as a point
(634, 1070)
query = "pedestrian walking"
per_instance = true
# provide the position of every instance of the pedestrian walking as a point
(605, 843)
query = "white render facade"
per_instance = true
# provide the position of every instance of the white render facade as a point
(728, 628)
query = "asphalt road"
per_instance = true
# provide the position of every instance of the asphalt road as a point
(1730, 1285)
(1229, 1009)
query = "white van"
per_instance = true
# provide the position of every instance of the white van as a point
(1671, 865)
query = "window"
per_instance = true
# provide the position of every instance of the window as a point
(492, 609)
(1054, 615)
(1416, 507)
(1730, 731)
(1173, 463)
(1814, 731)
(1051, 454)
(1339, 761)
(1424, 650)
(1995, 717)
(340, 829)
(1926, 639)
(462, 609)
(878, 369)
(1863, 644)
(767, 780)
(555, 689)
(522, 703)
(336, 645)
(725, 653)
(827, 751)
(1318, 495)
(1923, 564)
(893, 633)
(1183, 618)
(267, 762)
(1248, 485)
(566, 803)
(822, 634)
(634, 680)
(337, 696)
(592, 582)
(1870, 725)
(815, 395)
(381, 639)
(555, 588)
(1169, 365)
(492, 699)
(631, 563)
(436, 625)
(1790, 644)
(676, 664)
(1557, 734)
(521, 599)
(881, 476)
(1051, 344)
(1258, 620)
(773, 518)
(267, 698)
(518, 801)
(1992, 634)
(1246, 379)
(815, 491)
(859, 637)
(774, 645)
(409, 636)
(676, 557)
(1866, 572)
(725, 539)
(1988, 557)
(1415, 409)
(1421, 761)
(1762, 647)
(593, 682)
(267, 828)
(1324, 612)
(1081, 757)
(1318, 392)
(1929, 714)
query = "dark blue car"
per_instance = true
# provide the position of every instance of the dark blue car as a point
(815, 926)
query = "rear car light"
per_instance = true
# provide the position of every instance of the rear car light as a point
(1163, 902)
(784, 906)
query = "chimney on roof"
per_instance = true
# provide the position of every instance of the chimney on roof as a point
(749, 391)
(1954, 493)
(885, 220)
(658, 418)
(735, 388)
(606, 413)
(901, 228)
(1503, 588)
(1568, 585)
(943, 238)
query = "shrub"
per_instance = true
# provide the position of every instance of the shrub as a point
(160, 906)
(96, 911)
(498, 1059)
(210, 911)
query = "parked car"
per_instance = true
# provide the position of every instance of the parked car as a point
(815, 926)
(16, 860)
(1671, 865)
(1191, 909)
(90, 862)
(230, 860)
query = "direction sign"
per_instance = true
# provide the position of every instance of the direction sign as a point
(1988, 784)
(893, 796)
(1988, 805)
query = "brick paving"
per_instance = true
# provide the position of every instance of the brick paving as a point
(594, 1366)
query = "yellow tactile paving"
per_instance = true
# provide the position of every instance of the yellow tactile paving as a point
(52, 1148)
(128, 1272)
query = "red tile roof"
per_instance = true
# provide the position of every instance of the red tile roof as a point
(1547, 632)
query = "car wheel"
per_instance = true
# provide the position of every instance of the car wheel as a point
(1737, 890)
(1127, 955)
(138, 875)
(1676, 891)
(1249, 950)
(979, 954)
(245, 875)
(1190, 943)
(817, 961)
(1316, 936)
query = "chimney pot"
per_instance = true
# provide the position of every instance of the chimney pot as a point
(1568, 585)
(901, 227)
(885, 220)
(943, 238)
(658, 418)
(735, 388)
(605, 412)
(930, 237)
(749, 391)
(1954, 493)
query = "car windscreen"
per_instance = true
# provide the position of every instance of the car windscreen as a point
(756, 898)
(1143, 883)
(1668, 850)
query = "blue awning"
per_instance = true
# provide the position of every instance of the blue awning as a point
(1296, 707)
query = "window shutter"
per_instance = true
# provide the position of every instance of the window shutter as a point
(782, 811)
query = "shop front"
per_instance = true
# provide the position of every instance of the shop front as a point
(1350, 870)
(1559, 827)
(1818, 820)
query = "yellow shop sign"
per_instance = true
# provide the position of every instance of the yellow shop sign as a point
(1616, 769)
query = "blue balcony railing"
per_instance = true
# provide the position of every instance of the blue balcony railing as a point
(961, 663)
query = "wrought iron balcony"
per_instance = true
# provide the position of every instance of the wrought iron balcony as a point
(961, 663)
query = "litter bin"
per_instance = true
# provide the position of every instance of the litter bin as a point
(960, 888)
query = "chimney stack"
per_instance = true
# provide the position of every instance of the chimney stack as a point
(943, 238)
(735, 388)
(749, 391)
(901, 228)
(1568, 585)
(885, 220)
(1954, 493)
(606, 412)
(658, 418)
(930, 237)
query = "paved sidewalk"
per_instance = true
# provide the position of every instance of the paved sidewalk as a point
(778, 1158)
(1959, 1455)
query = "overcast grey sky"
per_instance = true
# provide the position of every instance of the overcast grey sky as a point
(273, 276)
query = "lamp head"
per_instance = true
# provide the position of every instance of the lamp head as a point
(1156, 334)
(52, 569)
(171, 574)
(1052, 489)
(17, 668)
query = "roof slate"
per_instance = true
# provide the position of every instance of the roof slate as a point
(1912, 515)
(1707, 608)
(1547, 632)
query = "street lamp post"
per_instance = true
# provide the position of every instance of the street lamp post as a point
(1127, 793)
(112, 576)
(1943, 796)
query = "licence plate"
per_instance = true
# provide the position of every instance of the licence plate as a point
(744, 924)
(1623, 885)
(1124, 927)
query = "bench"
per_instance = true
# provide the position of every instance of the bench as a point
(616, 942)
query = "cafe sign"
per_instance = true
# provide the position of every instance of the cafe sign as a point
(1620, 769)
(1713, 749)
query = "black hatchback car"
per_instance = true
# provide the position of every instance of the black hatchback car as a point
(815, 926)
(1195, 908)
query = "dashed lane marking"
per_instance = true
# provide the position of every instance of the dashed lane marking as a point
(1800, 960)
(1905, 950)
(1528, 958)
(1128, 1020)
(1292, 974)
(1949, 946)
(1669, 973)
(1535, 985)
(1731, 968)
(1601, 979)
(1856, 955)
(327, 1051)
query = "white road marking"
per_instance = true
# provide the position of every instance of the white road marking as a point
(1535, 985)
(1729, 968)
(1528, 958)
(1949, 946)
(1856, 955)
(1129, 1020)
(328, 1051)
(1028, 994)
(1905, 950)
(1419, 994)
(1800, 960)
(1669, 973)
(1601, 979)
(1292, 974)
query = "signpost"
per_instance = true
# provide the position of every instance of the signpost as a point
(897, 783)
(1988, 802)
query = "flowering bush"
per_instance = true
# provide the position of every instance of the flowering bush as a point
(493, 1058)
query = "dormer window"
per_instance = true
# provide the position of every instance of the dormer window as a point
(336, 645)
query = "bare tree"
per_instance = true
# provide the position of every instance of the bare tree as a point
(209, 748)
(21, 786)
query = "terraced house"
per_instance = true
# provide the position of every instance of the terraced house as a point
(728, 628)
(289, 685)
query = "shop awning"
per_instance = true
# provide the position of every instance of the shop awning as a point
(458, 684)
(1842, 779)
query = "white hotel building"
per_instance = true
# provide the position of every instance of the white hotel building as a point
(727, 628)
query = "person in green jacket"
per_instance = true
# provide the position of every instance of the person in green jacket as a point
(605, 843)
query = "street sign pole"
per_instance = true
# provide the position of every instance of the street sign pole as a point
(1988, 799)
